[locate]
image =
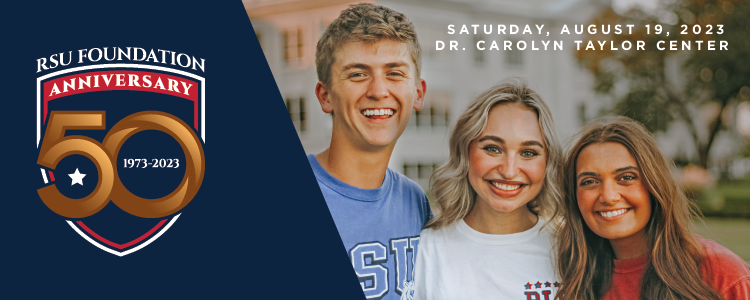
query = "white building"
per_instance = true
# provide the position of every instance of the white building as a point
(288, 31)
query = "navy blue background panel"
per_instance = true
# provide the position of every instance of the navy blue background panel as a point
(258, 227)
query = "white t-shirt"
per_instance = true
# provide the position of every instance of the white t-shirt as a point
(458, 262)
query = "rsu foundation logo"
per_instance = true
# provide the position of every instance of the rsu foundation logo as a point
(120, 144)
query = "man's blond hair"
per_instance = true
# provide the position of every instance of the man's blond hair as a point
(367, 23)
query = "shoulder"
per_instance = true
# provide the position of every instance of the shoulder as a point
(431, 238)
(428, 234)
(720, 256)
(409, 188)
(404, 182)
(724, 269)
(546, 229)
(412, 195)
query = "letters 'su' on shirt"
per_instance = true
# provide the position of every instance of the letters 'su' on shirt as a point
(379, 227)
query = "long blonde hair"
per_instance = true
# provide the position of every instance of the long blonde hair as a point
(585, 260)
(454, 195)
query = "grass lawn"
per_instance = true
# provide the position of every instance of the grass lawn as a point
(736, 197)
(731, 233)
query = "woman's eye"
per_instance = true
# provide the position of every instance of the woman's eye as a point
(529, 153)
(587, 182)
(492, 149)
(627, 177)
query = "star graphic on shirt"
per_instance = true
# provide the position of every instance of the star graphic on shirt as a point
(538, 284)
(527, 285)
(557, 284)
(547, 284)
(77, 178)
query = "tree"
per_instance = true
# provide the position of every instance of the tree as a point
(663, 86)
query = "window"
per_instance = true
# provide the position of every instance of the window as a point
(434, 114)
(285, 39)
(300, 49)
(293, 44)
(296, 109)
(478, 54)
(428, 35)
(420, 172)
(514, 57)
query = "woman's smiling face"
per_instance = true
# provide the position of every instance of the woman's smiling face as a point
(507, 161)
(611, 194)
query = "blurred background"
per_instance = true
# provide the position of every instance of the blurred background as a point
(697, 103)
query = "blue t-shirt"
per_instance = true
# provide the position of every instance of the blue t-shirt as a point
(379, 227)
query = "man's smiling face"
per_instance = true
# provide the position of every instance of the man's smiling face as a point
(373, 88)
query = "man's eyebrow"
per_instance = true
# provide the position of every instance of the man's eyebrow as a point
(355, 66)
(586, 174)
(625, 169)
(493, 138)
(396, 64)
(532, 143)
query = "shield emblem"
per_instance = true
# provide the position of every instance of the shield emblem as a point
(120, 150)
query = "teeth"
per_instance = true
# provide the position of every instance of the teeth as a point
(378, 112)
(505, 187)
(615, 213)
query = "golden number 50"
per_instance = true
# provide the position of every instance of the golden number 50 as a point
(57, 146)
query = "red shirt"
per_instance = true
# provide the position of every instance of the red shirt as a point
(723, 270)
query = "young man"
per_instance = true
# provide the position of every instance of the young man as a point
(368, 63)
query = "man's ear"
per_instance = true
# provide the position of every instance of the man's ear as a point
(421, 90)
(321, 91)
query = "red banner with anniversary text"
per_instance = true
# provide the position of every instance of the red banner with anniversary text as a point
(119, 80)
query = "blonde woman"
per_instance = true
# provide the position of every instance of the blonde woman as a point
(495, 196)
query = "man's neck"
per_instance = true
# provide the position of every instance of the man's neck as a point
(362, 169)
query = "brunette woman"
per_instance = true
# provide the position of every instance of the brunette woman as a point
(626, 233)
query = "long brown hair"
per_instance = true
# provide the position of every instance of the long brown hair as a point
(585, 260)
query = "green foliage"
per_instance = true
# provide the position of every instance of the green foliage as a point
(639, 104)
(604, 82)
(729, 70)
(726, 199)
(664, 86)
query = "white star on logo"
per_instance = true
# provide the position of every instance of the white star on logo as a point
(77, 177)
